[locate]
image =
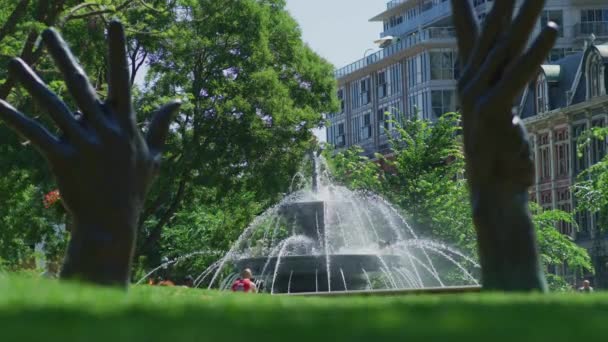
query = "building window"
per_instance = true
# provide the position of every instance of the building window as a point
(598, 146)
(556, 16)
(342, 100)
(542, 92)
(411, 13)
(562, 153)
(533, 155)
(418, 105)
(389, 81)
(546, 200)
(594, 15)
(395, 21)
(564, 204)
(336, 134)
(581, 162)
(362, 127)
(366, 127)
(341, 137)
(544, 157)
(532, 196)
(382, 85)
(361, 93)
(388, 115)
(582, 220)
(365, 94)
(443, 101)
(417, 67)
(442, 64)
(594, 21)
(595, 73)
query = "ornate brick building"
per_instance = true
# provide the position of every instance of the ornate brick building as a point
(567, 98)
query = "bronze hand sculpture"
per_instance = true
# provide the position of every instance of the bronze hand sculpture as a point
(103, 164)
(499, 165)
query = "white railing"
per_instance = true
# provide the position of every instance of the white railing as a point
(435, 12)
(423, 36)
(394, 3)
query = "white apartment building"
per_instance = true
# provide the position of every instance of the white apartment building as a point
(415, 71)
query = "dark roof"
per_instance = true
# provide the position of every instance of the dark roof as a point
(563, 77)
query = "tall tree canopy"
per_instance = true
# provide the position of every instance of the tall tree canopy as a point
(252, 90)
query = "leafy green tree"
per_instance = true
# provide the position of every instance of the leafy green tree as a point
(254, 91)
(351, 167)
(558, 249)
(591, 188)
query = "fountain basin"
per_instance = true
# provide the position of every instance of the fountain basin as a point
(308, 273)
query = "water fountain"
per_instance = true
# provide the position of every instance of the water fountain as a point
(326, 238)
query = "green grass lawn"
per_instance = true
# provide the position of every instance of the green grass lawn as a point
(40, 310)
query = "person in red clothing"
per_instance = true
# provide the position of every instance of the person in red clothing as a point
(244, 283)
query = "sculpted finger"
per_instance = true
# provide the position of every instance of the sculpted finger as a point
(483, 77)
(57, 109)
(466, 28)
(523, 25)
(159, 127)
(77, 82)
(495, 25)
(119, 93)
(31, 130)
(526, 66)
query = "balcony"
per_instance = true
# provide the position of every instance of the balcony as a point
(429, 35)
(395, 3)
(425, 17)
(584, 30)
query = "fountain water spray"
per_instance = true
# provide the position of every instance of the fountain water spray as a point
(324, 237)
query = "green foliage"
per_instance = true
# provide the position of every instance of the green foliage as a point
(354, 169)
(556, 248)
(24, 222)
(591, 189)
(427, 179)
(558, 284)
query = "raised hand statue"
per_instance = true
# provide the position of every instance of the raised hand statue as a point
(496, 65)
(103, 164)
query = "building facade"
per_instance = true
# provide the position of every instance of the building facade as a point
(415, 73)
(567, 98)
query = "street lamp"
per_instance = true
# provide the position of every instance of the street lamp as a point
(366, 51)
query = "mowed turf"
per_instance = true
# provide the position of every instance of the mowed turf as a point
(33, 309)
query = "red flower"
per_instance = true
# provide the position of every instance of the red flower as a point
(51, 198)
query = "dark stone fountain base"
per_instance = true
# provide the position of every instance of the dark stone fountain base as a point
(308, 273)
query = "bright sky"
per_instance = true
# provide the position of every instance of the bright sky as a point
(338, 30)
